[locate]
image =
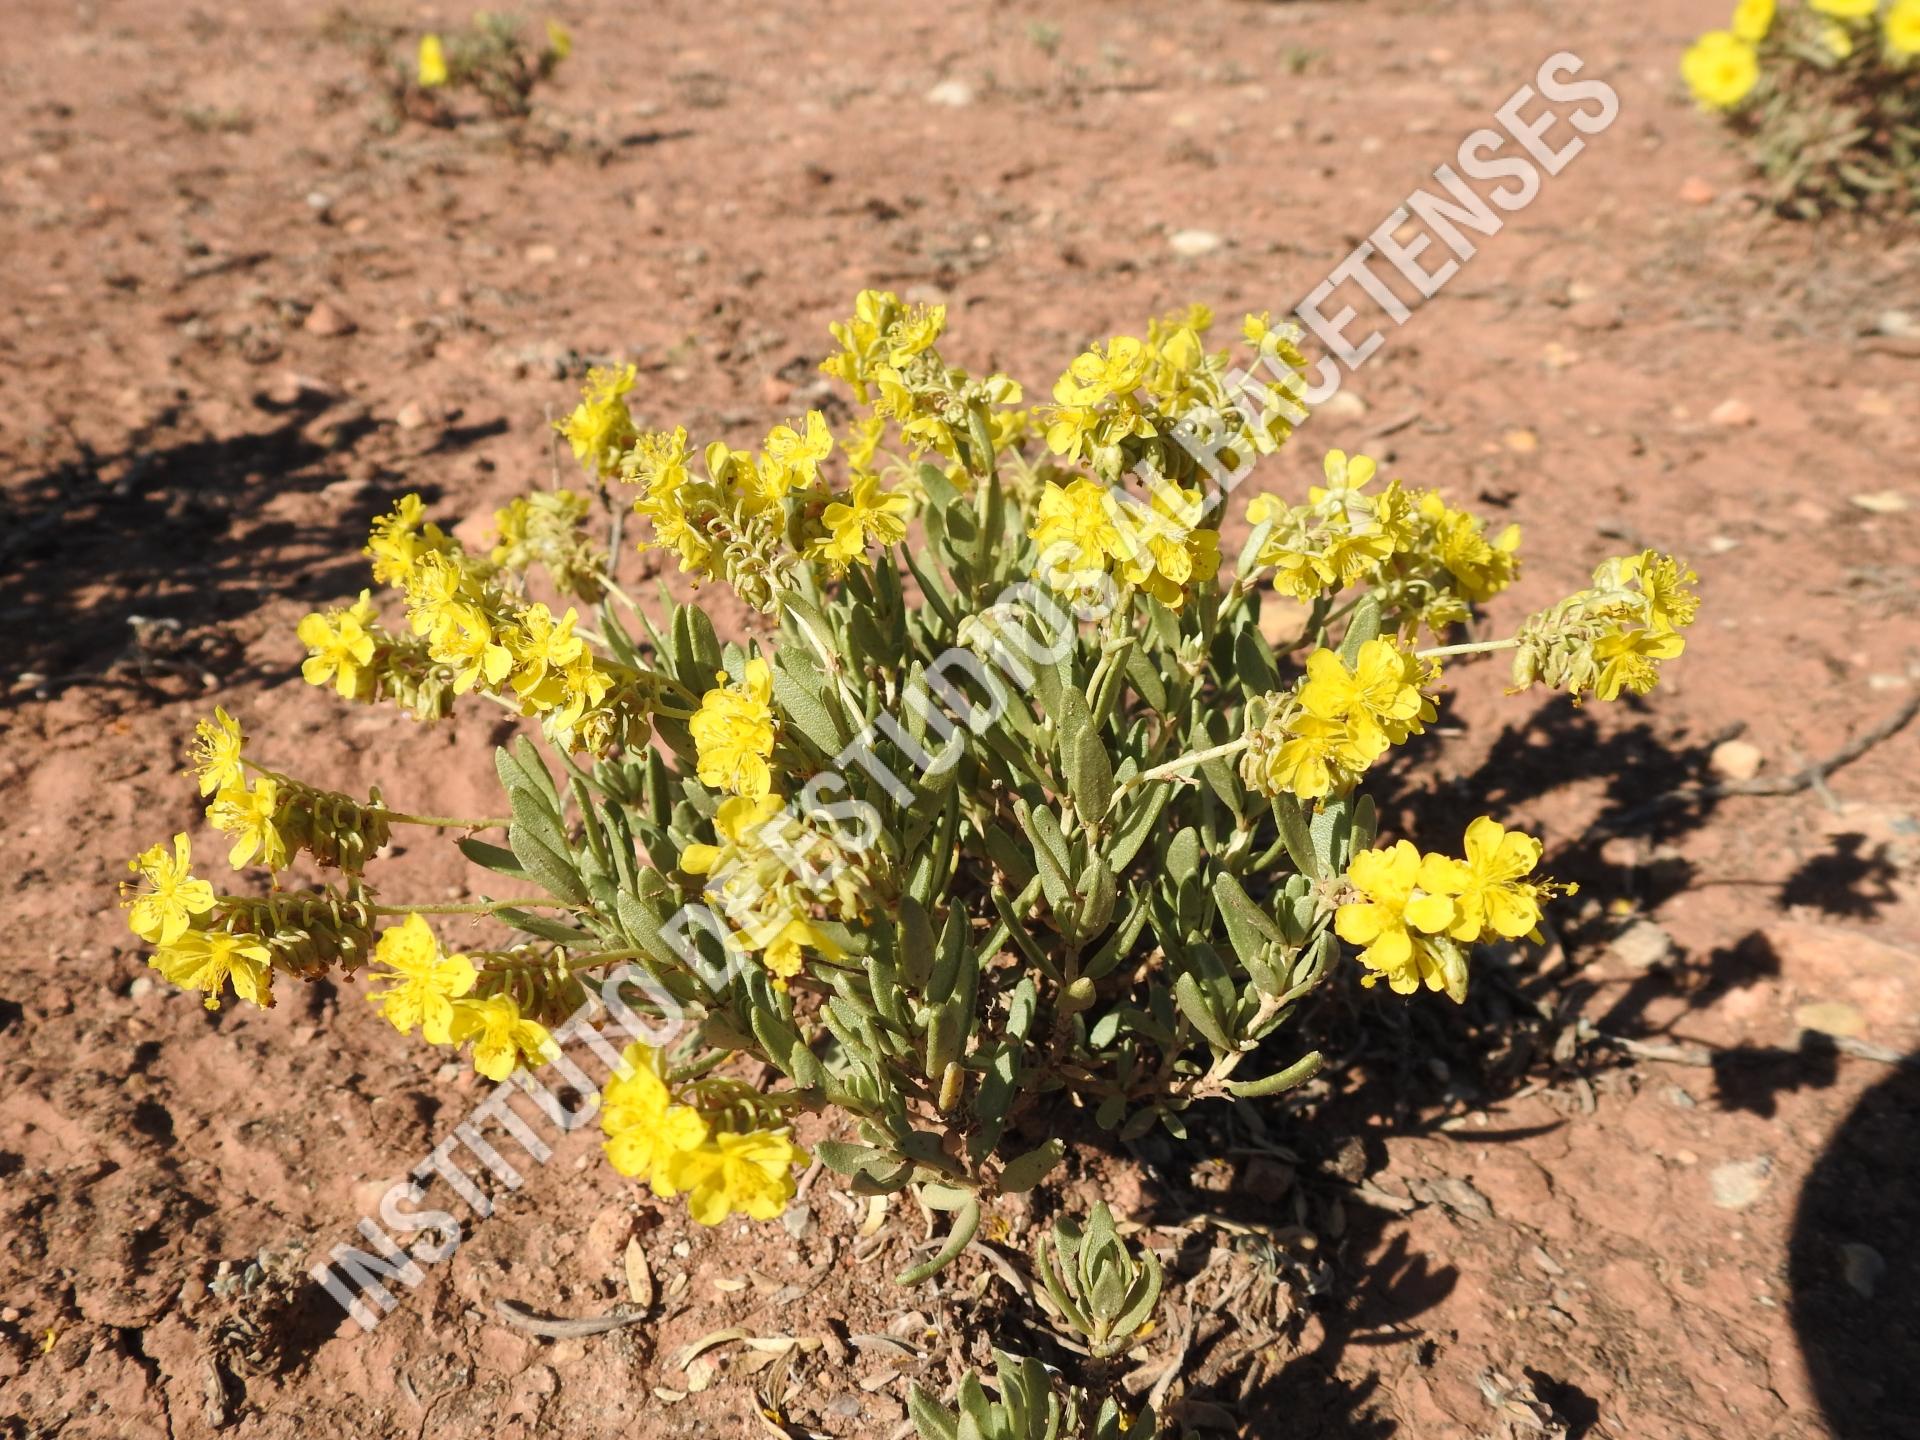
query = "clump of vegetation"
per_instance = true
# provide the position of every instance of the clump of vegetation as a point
(1023, 819)
(1825, 96)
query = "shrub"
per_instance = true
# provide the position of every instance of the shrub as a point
(1826, 96)
(490, 58)
(1019, 816)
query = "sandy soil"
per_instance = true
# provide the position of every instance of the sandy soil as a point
(1658, 1181)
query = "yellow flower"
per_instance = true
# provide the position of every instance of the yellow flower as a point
(1838, 40)
(217, 746)
(601, 427)
(751, 1174)
(1664, 581)
(1628, 660)
(542, 649)
(644, 1126)
(1096, 375)
(340, 645)
(1379, 700)
(164, 911)
(1846, 9)
(1400, 911)
(781, 954)
(868, 513)
(795, 459)
(1482, 568)
(466, 642)
(737, 823)
(1311, 762)
(433, 62)
(398, 539)
(1752, 19)
(206, 959)
(559, 40)
(1168, 552)
(1491, 893)
(1074, 527)
(502, 1038)
(423, 983)
(248, 816)
(1903, 29)
(1721, 69)
(734, 731)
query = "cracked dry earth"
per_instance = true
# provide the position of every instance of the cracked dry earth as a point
(1656, 1180)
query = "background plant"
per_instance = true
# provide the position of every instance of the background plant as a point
(1825, 94)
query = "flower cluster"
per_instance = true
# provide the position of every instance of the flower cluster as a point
(1340, 719)
(768, 871)
(1611, 638)
(1825, 93)
(491, 59)
(472, 628)
(1088, 532)
(680, 1148)
(1425, 562)
(433, 990)
(1411, 912)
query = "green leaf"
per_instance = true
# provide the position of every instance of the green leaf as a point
(551, 871)
(1023, 1172)
(1089, 774)
(1183, 857)
(810, 717)
(1362, 627)
(916, 944)
(497, 858)
(966, 1222)
(1194, 1005)
(1297, 1073)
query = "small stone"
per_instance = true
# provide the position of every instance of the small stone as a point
(1721, 544)
(1738, 1183)
(954, 94)
(1830, 1017)
(411, 416)
(1875, 403)
(1732, 414)
(1343, 405)
(327, 320)
(1736, 760)
(1862, 1266)
(1190, 244)
(1642, 946)
(1595, 315)
(1521, 442)
(1559, 357)
(1900, 324)
(1881, 502)
(542, 254)
(141, 987)
(1696, 191)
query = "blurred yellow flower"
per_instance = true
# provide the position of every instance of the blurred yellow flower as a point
(1721, 69)
(433, 62)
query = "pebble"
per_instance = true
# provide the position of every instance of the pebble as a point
(1595, 315)
(954, 94)
(327, 320)
(1862, 1266)
(1642, 946)
(1732, 414)
(1831, 1017)
(542, 254)
(1193, 243)
(1738, 1183)
(1881, 502)
(1736, 759)
(1901, 324)
(1696, 191)
(141, 987)
(411, 416)
(1343, 405)
(1876, 403)
(1521, 442)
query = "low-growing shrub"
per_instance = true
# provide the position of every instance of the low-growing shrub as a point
(1018, 807)
(1825, 95)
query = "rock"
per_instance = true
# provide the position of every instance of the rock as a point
(1342, 405)
(1900, 324)
(1732, 414)
(1190, 244)
(1738, 1183)
(1595, 315)
(1862, 1266)
(542, 254)
(1521, 442)
(1830, 1017)
(412, 416)
(1736, 760)
(327, 320)
(954, 94)
(1881, 502)
(1642, 946)
(1696, 191)
(1875, 403)
(141, 987)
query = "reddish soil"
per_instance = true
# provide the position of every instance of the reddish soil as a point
(1636, 1188)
